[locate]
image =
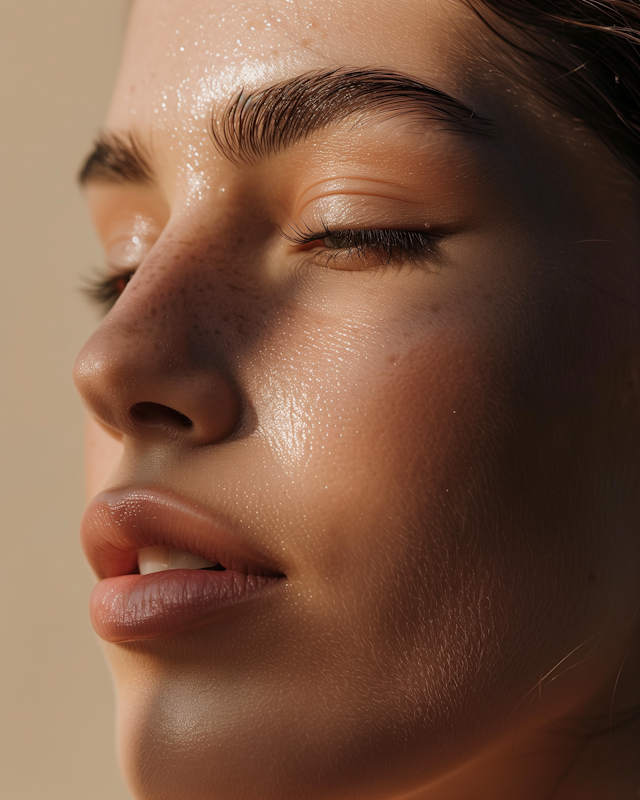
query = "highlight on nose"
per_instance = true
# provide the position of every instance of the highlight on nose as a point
(156, 415)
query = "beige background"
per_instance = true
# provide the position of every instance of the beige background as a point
(59, 59)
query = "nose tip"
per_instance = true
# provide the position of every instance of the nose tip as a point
(134, 389)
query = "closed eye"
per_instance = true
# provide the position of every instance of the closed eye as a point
(104, 290)
(363, 248)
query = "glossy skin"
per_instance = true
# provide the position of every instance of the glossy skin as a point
(443, 458)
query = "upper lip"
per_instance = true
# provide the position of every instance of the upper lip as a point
(119, 523)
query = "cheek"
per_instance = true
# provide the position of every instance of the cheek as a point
(103, 453)
(358, 412)
(388, 444)
(401, 450)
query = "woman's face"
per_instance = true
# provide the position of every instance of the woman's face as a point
(428, 435)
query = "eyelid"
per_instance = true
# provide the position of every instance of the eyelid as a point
(374, 212)
(367, 205)
(362, 185)
(127, 245)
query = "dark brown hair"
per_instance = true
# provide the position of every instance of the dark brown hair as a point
(585, 56)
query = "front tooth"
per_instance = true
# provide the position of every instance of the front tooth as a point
(159, 559)
(153, 559)
(179, 559)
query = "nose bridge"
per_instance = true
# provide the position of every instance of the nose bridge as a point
(196, 285)
(160, 362)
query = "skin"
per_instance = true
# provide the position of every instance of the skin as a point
(444, 458)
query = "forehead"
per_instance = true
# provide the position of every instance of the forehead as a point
(184, 58)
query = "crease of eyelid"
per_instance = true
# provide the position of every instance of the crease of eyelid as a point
(359, 194)
(392, 184)
(360, 178)
(261, 123)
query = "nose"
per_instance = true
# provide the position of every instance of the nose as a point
(143, 375)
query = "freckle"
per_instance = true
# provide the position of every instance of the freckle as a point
(434, 308)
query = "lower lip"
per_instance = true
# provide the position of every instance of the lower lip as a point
(133, 607)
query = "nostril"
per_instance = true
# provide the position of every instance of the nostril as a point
(155, 414)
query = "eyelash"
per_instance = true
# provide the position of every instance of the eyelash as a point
(371, 247)
(104, 290)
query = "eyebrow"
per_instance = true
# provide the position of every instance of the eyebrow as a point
(256, 125)
(116, 158)
(263, 123)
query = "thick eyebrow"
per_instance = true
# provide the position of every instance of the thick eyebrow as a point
(262, 123)
(116, 159)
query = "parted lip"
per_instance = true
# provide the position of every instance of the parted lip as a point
(119, 523)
